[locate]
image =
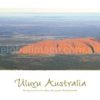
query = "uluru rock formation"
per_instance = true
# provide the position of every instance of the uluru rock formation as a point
(63, 46)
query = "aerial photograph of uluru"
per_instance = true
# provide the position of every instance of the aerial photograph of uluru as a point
(50, 41)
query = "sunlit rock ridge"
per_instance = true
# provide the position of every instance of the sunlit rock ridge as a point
(63, 46)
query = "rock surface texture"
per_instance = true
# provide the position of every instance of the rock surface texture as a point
(63, 46)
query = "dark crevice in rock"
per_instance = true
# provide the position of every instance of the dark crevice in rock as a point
(91, 47)
(57, 45)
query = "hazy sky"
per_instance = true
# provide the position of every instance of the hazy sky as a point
(50, 5)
